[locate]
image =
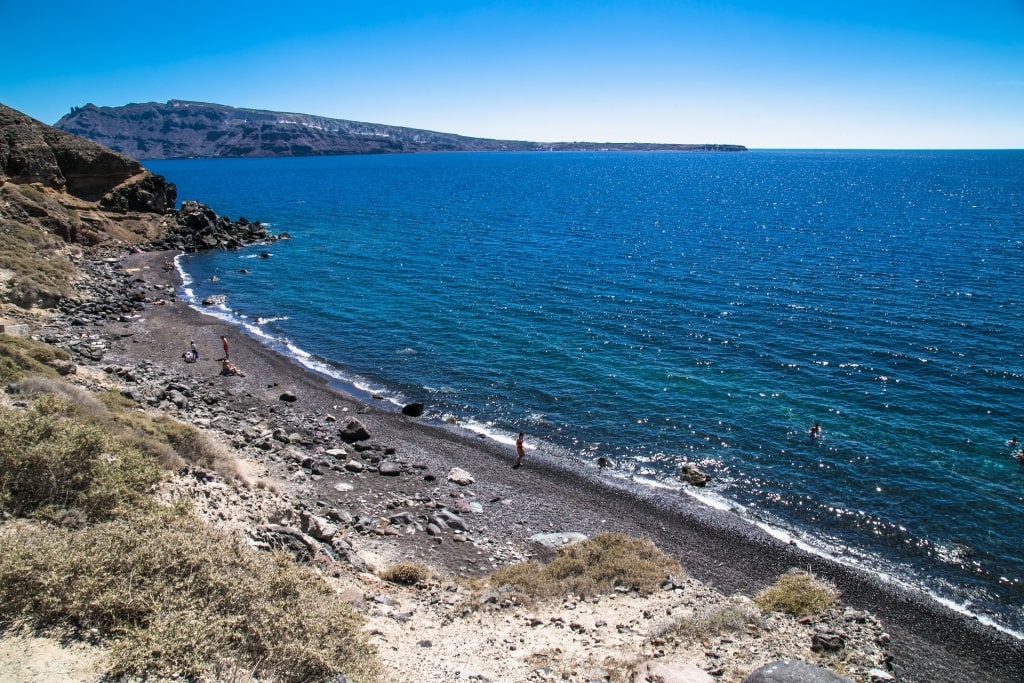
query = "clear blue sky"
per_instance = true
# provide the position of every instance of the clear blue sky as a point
(795, 74)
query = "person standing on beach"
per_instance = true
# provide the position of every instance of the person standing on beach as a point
(194, 350)
(520, 451)
(224, 341)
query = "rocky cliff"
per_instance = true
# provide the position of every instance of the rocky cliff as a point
(179, 129)
(60, 193)
(33, 153)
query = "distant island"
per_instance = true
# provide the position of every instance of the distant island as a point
(179, 129)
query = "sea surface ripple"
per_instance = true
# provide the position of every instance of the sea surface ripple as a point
(658, 308)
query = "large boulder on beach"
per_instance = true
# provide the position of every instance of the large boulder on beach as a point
(793, 671)
(390, 468)
(412, 409)
(353, 430)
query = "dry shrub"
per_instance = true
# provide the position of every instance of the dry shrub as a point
(175, 443)
(188, 443)
(592, 567)
(171, 597)
(52, 460)
(797, 593)
(37, 385)
(199, 449)
(406, 574)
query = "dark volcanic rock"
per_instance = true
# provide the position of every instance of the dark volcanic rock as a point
(793, 671)
(197, 227)
(413, 409)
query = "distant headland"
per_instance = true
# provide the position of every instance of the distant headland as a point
(179, 129)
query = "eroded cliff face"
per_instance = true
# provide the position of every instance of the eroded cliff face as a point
(33, 153)
(58, 195)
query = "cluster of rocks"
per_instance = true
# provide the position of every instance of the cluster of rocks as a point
(105, 294)
(197, 227)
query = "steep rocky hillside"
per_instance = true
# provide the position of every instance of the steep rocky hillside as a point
(60, 193)
(179, 129)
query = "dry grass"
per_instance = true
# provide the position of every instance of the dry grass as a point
(406, 574)
(20, 358)
(722, 620)
(176, 443)
(797, 593)
(38, 385)
(72, 449)
(593, 567)
(170, 442)
(37, 257)
(171, 597)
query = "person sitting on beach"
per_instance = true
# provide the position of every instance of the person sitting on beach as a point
(188, 357)
(228, 368)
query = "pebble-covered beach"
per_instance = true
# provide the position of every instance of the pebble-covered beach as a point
(394, 488)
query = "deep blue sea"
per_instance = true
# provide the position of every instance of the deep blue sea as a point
(658, 308)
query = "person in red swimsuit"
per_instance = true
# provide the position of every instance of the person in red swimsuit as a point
(520, 451)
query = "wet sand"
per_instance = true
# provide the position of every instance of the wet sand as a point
(929, 642)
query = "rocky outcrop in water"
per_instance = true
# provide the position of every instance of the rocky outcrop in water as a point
(197, 227)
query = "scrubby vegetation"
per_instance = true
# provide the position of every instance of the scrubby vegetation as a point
(721, 620)
(173, 597)
(53, 462)
(797, 593)
(406, 574)
(22, 357)
(86, 553)
(595, 566)
(34, 254)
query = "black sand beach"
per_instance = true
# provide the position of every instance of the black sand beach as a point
(929, 642)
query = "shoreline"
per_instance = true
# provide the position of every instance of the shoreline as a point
(929, 640)
(381, 396)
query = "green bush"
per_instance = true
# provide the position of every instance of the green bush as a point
(797, 593)
(592, 567)
(171, 597)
